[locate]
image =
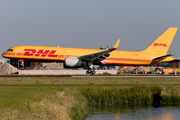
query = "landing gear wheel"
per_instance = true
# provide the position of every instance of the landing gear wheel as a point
(88, 71)
(91, 69)
(91, 73)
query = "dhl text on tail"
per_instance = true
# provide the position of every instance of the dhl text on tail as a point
(77, 57)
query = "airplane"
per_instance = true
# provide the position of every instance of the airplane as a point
(78, 57)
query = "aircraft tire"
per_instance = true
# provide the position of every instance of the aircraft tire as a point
(92, 72)
(87, 72)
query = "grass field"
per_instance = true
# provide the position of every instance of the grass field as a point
(14, 89)
(15, 92)
(89, 81)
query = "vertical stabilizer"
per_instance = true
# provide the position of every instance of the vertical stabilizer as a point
(161, 45)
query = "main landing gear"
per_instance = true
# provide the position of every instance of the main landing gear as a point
(91, 69)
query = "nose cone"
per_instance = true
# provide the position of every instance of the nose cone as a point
(4, 55)
(8, 54)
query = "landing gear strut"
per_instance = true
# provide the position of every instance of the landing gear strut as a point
(91, 69)
(21, 63)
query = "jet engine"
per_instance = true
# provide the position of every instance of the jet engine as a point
(73, 62)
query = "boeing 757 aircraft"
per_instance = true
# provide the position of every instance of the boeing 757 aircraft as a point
(77, 57)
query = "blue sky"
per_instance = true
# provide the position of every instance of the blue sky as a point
(87, 24)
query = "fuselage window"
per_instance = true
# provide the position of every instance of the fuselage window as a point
(10, 50)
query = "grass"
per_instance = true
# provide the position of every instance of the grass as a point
(88, 81)
(14, 94)
(118, 96)
(64, 104)
(48, 97)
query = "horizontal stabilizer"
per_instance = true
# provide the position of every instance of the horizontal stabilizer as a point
(163, 57)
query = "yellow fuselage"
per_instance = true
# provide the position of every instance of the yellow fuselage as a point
(117, 57)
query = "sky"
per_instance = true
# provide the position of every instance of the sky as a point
(88, 23)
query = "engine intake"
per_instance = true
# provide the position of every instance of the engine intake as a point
(73, 62)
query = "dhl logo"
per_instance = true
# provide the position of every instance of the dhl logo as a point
(42, 53)
(160, 44)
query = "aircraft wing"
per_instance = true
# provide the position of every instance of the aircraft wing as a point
(100, 56)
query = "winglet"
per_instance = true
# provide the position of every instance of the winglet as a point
(116, 45)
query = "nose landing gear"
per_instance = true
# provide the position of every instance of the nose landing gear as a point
(21, 64)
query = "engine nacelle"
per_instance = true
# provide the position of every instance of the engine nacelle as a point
(73, 62)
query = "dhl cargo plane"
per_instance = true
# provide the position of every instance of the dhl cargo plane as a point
(77, 57)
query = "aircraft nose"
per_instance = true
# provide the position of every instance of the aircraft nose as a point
(4, 54)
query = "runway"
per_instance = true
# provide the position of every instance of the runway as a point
(120, 76)
(150, 76)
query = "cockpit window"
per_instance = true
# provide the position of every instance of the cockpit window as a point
(10, 50)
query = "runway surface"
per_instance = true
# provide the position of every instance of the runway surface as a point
(89, 76)
(129, 76)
